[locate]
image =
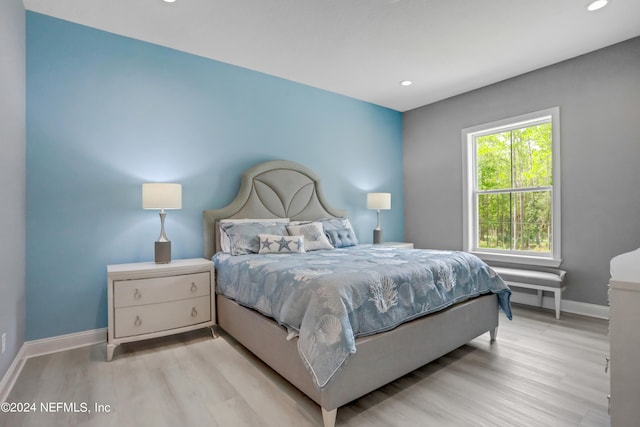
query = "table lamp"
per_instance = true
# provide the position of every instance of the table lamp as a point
(162, 195)
(378, 201)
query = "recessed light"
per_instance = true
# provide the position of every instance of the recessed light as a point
(406, 83)
(169, 1)
(597, 4)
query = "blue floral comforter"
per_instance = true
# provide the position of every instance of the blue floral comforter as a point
(330, 297)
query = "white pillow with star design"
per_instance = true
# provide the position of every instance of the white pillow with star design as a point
(275, 244)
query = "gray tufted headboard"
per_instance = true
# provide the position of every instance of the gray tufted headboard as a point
(275, 189)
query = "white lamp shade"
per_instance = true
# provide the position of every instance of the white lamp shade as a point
(379, 201)
(161, 195)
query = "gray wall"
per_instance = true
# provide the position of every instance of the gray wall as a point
(599, 99)
(12, 177)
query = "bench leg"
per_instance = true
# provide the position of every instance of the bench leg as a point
(539, 298)
(557, 296)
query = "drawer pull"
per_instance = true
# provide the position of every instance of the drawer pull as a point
(137, 294)
(138, 322)
(606, 367)
(194, 288)
(194, 312)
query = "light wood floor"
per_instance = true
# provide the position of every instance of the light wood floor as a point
(540, 372)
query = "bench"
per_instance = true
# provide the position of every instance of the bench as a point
(548, 280)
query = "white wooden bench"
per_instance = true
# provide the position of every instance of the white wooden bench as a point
(548, 280)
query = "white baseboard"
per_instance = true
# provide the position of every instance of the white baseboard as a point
(10, 377)
(64, 342)
(46, 346)
(567, 306)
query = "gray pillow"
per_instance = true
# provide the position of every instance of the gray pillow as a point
(225, 244)
(243, 236)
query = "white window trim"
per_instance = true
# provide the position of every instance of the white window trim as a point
(468, 184)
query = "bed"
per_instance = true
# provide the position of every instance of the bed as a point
(283, 189)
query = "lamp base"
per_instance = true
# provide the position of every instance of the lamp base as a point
(377, 237)
(163, 252)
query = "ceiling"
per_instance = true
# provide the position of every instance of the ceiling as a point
(364, 48)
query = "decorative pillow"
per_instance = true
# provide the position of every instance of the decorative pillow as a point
(339, 231)
(276, 244)
(342, 238)
(225, 243)
(243, 236)
(314, 237)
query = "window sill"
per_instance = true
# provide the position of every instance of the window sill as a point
(518, 259)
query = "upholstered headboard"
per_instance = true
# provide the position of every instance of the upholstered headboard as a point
(275, 189)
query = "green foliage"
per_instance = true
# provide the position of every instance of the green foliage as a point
(512, 161)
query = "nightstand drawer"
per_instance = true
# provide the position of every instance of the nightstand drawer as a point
(158, 317)
(160, 289)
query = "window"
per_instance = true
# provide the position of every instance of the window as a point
(512, 189)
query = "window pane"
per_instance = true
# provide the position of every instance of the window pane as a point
(531, 148)
(493, 153)
(517, 221)
(532, 221)
(494, 221)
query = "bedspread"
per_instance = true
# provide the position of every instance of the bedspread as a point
(330, 297)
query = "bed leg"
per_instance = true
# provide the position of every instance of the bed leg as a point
(329, 417)
(493, 333)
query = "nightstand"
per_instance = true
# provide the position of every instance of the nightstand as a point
(149, 300)
(403, 245)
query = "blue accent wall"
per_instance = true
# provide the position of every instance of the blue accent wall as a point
(106, 113)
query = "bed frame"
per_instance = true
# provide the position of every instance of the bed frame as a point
(284, 189)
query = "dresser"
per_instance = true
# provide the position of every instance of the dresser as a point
(149, 300)
(624, 333)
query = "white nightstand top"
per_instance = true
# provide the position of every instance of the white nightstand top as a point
(405, 245)
(144, 268)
